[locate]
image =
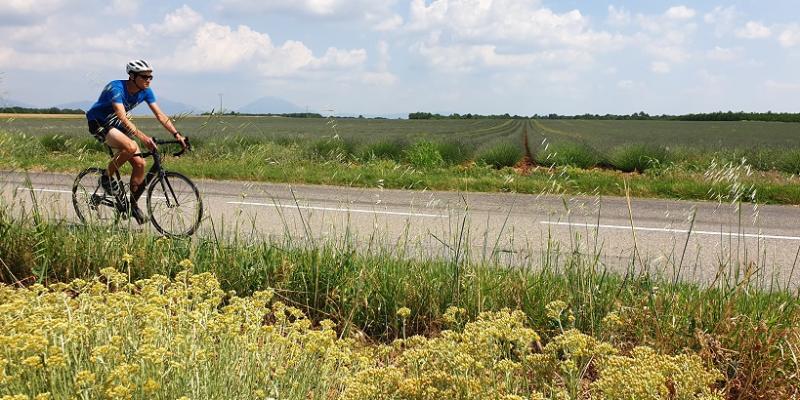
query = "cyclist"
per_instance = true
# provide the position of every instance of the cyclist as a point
(110, 123)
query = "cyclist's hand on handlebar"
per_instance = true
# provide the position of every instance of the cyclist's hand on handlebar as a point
(181, 139)
(150, 143)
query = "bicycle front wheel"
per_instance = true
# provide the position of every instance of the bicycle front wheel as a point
(174, 204)
(92, 205)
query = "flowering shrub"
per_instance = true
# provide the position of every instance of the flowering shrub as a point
(162, 338)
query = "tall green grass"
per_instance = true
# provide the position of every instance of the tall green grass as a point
(499, 155)
(638, 158)
(579, 155)
(424, 154)
(388, 149)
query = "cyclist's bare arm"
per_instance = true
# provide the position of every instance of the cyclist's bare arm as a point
(119, 111)
(166, 122)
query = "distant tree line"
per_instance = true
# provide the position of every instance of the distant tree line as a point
(768, 116)
(51, 110)
(427, 115)
(288, 115)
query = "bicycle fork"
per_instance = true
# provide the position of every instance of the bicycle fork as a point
(156, 172)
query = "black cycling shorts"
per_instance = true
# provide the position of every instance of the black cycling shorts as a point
(99, 131)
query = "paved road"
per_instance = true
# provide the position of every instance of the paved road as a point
(517, 227)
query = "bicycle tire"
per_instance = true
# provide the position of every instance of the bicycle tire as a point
(92, 205)
(174, 205)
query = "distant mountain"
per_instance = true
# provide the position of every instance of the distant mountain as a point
(4, 102)
(168, 106)
(270, 105)
(83, 105)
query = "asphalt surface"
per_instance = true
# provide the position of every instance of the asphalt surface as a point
(695, 241)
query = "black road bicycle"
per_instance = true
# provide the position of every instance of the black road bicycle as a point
(173, 201)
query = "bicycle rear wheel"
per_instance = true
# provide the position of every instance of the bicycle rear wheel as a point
(174, 205)
(92, 205)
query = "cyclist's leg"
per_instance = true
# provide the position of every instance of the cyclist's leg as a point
(124, 148)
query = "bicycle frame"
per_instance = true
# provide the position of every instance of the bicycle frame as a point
(156, 171)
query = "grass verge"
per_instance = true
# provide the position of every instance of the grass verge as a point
(382, 294)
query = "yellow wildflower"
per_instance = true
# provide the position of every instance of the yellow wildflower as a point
(32, 362)
(404, 312)
(84, 378)
(555, 309)
(151, 386)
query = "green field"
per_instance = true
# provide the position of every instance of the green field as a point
(709, 136)
(602, 135)
(280, 128)
(685, 140)
(717, 161)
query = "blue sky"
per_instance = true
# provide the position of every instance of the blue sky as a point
(383, 57)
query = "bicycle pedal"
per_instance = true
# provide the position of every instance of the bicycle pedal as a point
(138, 215)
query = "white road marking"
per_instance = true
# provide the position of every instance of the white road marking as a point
(694, 232)
(67, 191)
(338, 209)
(46, 190)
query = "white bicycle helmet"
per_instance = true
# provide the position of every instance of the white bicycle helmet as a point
(136, 66)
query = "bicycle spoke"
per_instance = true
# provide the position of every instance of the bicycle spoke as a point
(174, 204)
(92, 205)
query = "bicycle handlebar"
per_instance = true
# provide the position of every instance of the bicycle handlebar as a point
(178, 154)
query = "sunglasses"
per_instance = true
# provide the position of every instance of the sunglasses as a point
(145, 77)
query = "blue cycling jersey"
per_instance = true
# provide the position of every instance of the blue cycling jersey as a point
(115, 92)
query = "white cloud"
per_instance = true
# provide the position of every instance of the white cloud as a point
(286, 60)
(11, 10)
(465, 57)
(389, 24)
(512, 21)
(341, 58)
(383, 54)
(137, 36)
(626, 84)
(372, 11)
(709, 78)
(216, 47)
(790, 36)
(754, 30)
(723, 54)
(782, 86)
(680, 12)
(618, 17)
(379, 78)
(723, 19)
(468, 57)
(667, 37)
(121, 7)
(181, 20)
(660, 67)
(182, 41)
(672, 54)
